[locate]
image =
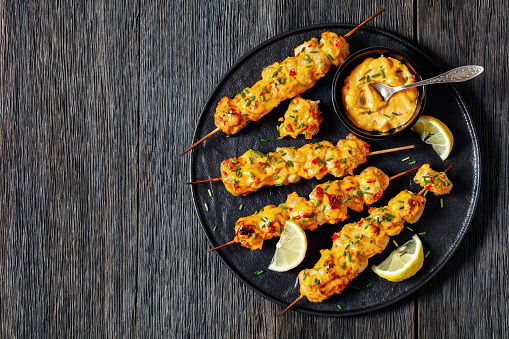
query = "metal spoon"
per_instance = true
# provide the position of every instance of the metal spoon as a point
(458, 74)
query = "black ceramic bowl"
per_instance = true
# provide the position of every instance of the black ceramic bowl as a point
(347, 67)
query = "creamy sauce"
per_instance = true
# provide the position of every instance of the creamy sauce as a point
(365, 106)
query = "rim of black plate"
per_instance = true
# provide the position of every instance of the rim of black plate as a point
(455, 245)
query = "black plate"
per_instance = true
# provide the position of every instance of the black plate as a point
(445, 227)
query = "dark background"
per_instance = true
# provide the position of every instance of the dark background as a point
(98, 233)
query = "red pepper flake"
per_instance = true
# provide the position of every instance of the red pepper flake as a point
(315, 162)
(292, 72)
(297, 217)
(334, 237)
(412, 203)
(349, 188)
(372, 181)
(338, 43)
(298, 54)
(319, 192)
(310, 45)
(323, 169)
(361, 222)
(377, 196)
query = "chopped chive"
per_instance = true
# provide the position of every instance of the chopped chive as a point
(399, 71)
(257, 154)
(317, 203)
(279, 184)
(367, 79)
(343, 160)
(302, 85)
(206, 207)
(321, 45)
(309, 66)
(403, 253)
(369, 285)
(375, 75)
(410, 229)
(357, 251)
(349, 257)
(383, 74)
(263, 98)
(395, 243)
(339, 306)
(299, 125)
(329, 159)
(264, 140)
(210, 192)
(413, 162)
(386, 115)
(405, 159)
(441, 203)
(320, 161)
(330, 57)
(326, 187)
(317, 281)
(289, 163)
(242, 95)
(313, 52)
(422, 233)
(259, 272)
(214, 229)
(396, 114)
(319, 146)
(241, 206)
(355, 287)
(250, 160)
(279, 138)
(309, 57)
(274, 74)
(323, 208)
(344, 201)
(406, 78)
(425, 192)
(364, 77)
(362, 100)
(264, 90)
(283, 80)
(244, 115)
(254, 236)
(303, 49)
(427, 253)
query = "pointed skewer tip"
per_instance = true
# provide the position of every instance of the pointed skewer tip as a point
(293, 303)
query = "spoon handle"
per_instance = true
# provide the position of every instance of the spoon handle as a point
(458, 74)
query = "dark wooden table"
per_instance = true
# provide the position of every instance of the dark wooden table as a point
(98, 233)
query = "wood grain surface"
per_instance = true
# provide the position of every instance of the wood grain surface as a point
(98, 233)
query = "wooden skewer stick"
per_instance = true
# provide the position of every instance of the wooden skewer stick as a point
(200, 141)
(363, 23)
(207, 180)
(346, 35)
(403, 173)
(391, 150)
(293, 303)
(393, 177)
(223, 245)
(371, 153)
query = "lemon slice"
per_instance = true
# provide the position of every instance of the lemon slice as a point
(290, 249)
(403, 262)
(434, 132)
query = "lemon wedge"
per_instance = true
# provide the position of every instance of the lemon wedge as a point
(434, 132)
(403, 262)
(290, 249)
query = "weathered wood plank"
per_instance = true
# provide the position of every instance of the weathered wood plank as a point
(182, 291)
(468, 298)
(69, 170)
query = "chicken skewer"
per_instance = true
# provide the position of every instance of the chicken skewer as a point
(328, 203)
(281, 81)
(357, 242)
(253, 170)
